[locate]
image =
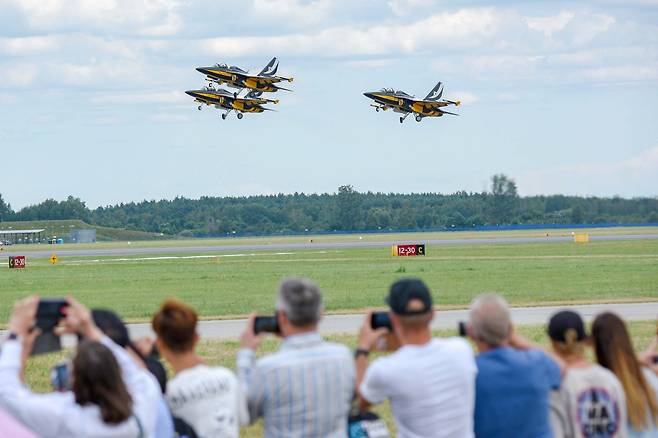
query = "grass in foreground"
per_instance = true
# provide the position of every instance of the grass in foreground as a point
(223, 353)
(224, 285)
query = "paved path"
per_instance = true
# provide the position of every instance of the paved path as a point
(444, 319)
(447, 319)
(108, 252)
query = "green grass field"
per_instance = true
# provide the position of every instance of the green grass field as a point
(223, 353)
(224, 284)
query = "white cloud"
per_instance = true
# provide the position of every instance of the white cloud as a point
(27, 45)
(635, 175)
(461, 29)
(168, 97)
(141, 17)
(406, 7)
(551, 24)
(18, 75)
(295, 11)
(7, 98)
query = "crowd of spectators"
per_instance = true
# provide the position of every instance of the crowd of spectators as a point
(500, 385)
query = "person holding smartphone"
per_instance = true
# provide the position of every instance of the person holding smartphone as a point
(111, 396)
(305, 388)
(430, 382)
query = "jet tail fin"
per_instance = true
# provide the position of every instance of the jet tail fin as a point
(436, 93)
(270, 69)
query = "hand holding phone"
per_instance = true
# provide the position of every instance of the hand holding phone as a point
(50, 312)
(381, 320)
(266, 324)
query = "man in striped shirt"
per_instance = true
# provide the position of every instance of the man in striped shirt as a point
(305, 388)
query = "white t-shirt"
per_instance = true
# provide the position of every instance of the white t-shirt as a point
(431, 388)
(590, 402)
(210, 399)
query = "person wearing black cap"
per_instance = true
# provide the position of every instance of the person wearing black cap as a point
(590, 401)
(113, 327)
(430, 382)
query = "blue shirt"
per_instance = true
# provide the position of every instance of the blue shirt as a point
(512, 390)
(303, 390)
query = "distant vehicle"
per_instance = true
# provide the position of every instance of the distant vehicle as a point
(222, 99)
(401, 102)
(235, 77)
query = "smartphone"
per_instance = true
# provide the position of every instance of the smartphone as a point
(49, 312)
(379, 320)
(267, 324)
(462, 329)
(60, 377)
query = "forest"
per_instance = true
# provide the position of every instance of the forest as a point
(345, 210)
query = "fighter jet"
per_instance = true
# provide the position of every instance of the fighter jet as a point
(235, 77)
(223, 99)
(401, 102)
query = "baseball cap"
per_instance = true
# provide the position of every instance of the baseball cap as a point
(564, 321)
(404, 291)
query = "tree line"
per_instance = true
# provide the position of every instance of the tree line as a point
(345, 210)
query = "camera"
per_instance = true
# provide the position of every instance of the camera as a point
(60, 377)
(267, 324)
(462, 329)
(49, 312)
(381, 319)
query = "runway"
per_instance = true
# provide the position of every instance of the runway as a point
(110, 252)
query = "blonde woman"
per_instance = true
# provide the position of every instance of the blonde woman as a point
(614, 351)
(590, 401)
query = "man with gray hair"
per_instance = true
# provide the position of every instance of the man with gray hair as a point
(514, 379)
(305, 388)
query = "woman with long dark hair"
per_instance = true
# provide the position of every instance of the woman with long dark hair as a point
(614, 351)
(110, 395)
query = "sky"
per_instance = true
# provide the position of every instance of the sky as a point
(561, 96)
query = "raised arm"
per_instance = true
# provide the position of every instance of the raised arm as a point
(248, 373)
(140, 384)
(39, 412)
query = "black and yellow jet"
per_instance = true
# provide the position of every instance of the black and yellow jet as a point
(401, 102)
(235, 77)
(222, 99)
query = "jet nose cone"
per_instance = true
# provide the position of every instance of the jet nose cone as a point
(190, 93)
(201, 69)
(369, 95)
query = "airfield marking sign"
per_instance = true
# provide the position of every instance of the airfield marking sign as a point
(16, 262)
(408, 250)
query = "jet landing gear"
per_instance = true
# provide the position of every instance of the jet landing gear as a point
(240, 115)
(404, 117)
(223, 116)
(418, 118)
(199, 107)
